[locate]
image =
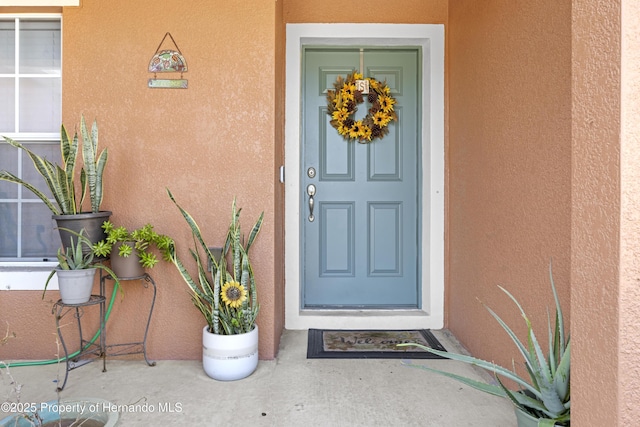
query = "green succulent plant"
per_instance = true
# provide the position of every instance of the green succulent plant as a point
(225, 293)
(73, 257)
(142, 240)
(547, 394)
(60, 179)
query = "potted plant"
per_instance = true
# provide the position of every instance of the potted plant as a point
(225, 293)
(61, 182)
(545, 400)
(76, 270)
(132, 251)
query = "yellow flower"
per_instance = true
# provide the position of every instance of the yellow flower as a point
(340, 115)
(374, 83)
(381, 119)
(366, 133)
(342, 129)
(357, 76)
(357, 130)
(233, 294)
(349, 88)
(386, 103)
(346, 96)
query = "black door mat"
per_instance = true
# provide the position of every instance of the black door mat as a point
(370, 344)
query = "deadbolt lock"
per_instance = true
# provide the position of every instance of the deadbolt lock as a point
(311, 172)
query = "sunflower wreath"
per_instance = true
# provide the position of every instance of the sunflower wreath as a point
(342, 103)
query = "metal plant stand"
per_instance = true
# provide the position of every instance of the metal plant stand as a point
(87, 347)
(139, 347)
(97, 347)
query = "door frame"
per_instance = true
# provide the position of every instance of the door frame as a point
(430, 37)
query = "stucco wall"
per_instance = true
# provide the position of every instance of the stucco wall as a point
(208, 143)
(596, 212)
(374, 11)
(509, 165)
(629, 345)
(606, 235)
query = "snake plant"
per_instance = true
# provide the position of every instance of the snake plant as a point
(546, 396)
(60, 179)
(226, 295)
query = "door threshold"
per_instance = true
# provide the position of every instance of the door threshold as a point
(359, 312)
(364, 319)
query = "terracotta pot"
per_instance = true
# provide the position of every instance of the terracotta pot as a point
(229, 357)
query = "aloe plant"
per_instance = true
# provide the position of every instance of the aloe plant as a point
(73, 257)
(214, 291)
(547, 395)
(61, 179)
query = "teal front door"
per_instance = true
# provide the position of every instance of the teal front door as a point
(360, 203)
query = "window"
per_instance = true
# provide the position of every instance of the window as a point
(30, 112)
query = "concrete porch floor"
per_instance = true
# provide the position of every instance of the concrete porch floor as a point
(289, 391)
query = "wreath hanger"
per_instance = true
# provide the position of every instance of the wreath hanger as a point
(362, 84)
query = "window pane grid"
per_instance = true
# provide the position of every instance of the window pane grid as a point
(30, 112)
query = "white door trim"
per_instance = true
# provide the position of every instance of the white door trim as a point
(431, 38)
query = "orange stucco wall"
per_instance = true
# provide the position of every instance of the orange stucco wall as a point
(509, 163)
(606, 207)
(596, 231)
(374, 11)
(208, 143)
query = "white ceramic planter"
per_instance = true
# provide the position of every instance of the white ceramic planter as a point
(229, 357)
(75, 285)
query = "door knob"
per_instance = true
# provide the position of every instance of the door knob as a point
(311, 191)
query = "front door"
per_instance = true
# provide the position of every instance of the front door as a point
(360, 203)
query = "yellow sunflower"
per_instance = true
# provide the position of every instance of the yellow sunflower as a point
(356, 130)
(348, 90)
(381, 119)
(233, 294)
(340, 115)
(347, 96)
(366, 133)
(386, 103)
(342, 129)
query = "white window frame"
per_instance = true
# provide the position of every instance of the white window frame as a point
(28, 275)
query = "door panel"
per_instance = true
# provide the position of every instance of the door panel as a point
(362, 248)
